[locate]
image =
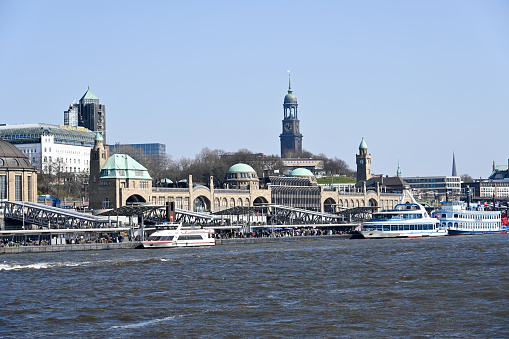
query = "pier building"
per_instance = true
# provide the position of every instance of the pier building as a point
(120, 181)
(18, 178)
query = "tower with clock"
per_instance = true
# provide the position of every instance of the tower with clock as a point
(291, 138)
(363, 162)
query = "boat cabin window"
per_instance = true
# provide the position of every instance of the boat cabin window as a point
(190, 237)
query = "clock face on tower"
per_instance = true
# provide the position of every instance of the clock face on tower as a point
(288, 127)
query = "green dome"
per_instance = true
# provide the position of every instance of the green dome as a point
(301, 172)
(363, 144)
(98, 137)
(241, 168)
(290, 98)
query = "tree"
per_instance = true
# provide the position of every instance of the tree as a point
(466, 178)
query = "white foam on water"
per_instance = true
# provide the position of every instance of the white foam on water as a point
(146, 323)
(5, 266)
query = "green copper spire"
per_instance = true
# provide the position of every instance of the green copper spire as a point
(363, 144)
(398, 173)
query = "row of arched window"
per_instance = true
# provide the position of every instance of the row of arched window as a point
(222, 204)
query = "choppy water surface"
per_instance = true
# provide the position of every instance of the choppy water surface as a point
(454, 287)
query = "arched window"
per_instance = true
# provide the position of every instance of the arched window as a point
(247, 201)
(225, 204)
(239, 202)
(216, 205)
(232, 202)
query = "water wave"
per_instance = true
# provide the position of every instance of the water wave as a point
(146, 323)
(16, 266)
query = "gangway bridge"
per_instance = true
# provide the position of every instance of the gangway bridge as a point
(284, 214)
(157, 214)
(53, 217)
(276, 213)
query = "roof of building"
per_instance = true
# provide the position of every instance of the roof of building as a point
(501, 172)
(290, 98)
(12, 158)
(98, 137)
(363, 144)
(120, 166)
(89, 95)
(301, 172)
(32, 133)
(241, 168)
(391, 183)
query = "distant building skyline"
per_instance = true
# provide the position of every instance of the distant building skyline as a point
(87, 113)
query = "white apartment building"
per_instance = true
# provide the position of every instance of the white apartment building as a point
(52, 148)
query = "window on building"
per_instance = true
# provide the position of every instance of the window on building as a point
(3, 187)
(18, 196)
(106, 203)
(29, 187)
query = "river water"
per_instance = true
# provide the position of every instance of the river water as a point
(448, 287)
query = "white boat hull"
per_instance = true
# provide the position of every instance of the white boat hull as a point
(394, 234)
(170, 244)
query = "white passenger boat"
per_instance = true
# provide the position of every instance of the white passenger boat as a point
(179, 237)
(404, 221)
(461, 218)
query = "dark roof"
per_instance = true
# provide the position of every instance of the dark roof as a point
(12, 158)
(395, 183)
(130, 210)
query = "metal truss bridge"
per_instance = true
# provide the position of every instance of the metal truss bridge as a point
(283, 214)
(52, 217)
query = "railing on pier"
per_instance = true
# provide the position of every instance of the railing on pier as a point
(181, 216)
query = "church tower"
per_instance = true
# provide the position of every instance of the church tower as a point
(291, 138)
(363, 162)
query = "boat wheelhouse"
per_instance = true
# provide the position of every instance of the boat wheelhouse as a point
(404, 221)
(460, 218)
(177, 236)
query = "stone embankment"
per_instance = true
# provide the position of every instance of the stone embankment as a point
(69, 247)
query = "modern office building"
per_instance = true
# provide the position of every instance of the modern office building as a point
(154, 149)
(52, 148)
(439, 184)
(87, 113)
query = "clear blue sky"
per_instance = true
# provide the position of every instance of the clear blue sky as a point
(416, 79)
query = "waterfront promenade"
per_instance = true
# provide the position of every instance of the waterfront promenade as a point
(137, 244)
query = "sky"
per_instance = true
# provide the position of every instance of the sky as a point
(418, 80)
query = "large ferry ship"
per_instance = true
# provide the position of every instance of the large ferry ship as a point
(179, 237)
(404, 221)
(461, 218)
